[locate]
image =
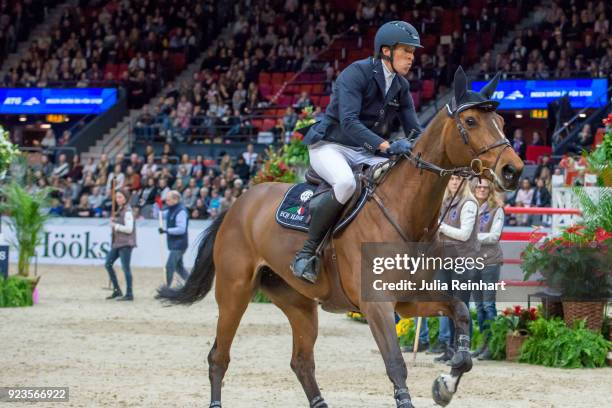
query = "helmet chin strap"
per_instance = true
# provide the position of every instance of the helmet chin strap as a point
(390, 59)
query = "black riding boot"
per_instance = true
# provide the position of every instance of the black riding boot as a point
(324, 212)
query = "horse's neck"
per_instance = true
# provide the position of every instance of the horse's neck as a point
(413, 195)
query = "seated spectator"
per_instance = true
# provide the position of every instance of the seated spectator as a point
(242, 169)
(250, 157)
(94, 201)
(132, 180)
(48, 141)
(68, 209)
(90, 167)
(149, 169)
(303, 101)
(519, 144)
(76, 172)
(584, 141)
(83, 209)
(524, 197)
(119, 178)
(56, 209)
(62, 167)
(536, 139)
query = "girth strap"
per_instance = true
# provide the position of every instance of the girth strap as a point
(389, 216)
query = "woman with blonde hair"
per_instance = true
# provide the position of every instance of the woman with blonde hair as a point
(458, 229)
(490, 224)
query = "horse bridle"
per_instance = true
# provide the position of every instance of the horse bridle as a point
(475, 169)
(465, 136)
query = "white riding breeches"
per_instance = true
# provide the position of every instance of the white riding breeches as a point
(334, 163)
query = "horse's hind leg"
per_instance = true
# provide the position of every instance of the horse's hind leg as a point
(445, 386)
(302, 315)
(233, 291)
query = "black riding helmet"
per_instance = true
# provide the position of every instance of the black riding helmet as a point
(393, 33)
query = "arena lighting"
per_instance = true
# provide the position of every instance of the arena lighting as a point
(582, 115)
(45, 126)
(23, 118)
(518, 115)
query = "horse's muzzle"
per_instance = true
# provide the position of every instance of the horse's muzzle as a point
(510, 177)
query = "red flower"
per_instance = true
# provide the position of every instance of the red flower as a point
(517, 310)
(608, 120)
(297, 136)
(575, 229)
(602, 235)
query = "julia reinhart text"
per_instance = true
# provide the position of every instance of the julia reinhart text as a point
(437, 285)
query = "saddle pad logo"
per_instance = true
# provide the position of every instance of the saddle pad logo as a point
(306, 195)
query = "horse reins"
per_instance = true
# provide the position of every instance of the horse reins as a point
(474, 170)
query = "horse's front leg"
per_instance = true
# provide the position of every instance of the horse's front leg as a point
(381, 319)
(445, 386)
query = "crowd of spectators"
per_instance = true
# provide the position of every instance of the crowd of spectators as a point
(140, 35)
(85, 189)
(17, 18)
(573, 40)
(216, 105)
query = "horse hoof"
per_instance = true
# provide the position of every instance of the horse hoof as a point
(440, 392)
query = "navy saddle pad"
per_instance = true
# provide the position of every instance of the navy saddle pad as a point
(293, 211)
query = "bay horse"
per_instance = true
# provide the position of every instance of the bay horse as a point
(248, 250)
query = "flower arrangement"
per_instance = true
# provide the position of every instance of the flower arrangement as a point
(8, 151)
(280, 165)
(576, 263)
(517, 318)
(403, 327)
(275, 169)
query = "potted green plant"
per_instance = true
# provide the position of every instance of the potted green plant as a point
(26, 220)
(8, 152)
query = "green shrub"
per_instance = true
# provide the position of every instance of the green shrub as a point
(553, 344)
(498, 330)
(15, 292)
(434, 329)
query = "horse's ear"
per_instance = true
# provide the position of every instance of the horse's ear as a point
(460, 85)
(488, 90)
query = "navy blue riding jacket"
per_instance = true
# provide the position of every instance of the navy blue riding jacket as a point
(359, 109)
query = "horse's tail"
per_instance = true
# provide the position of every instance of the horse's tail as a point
(202, 275)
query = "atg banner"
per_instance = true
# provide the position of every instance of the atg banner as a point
(76, 101)
(537, 94)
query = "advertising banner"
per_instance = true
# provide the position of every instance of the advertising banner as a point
(86, 241)
(537, 94)
(76, 101)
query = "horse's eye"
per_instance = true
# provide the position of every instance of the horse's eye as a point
(471, 122)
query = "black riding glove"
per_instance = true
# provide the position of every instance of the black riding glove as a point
(401, 146)
(161, 230)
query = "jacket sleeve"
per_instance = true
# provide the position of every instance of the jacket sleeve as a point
(351, 85)
(497, 225)
(407, 112)
(468, 220)
(128, 227)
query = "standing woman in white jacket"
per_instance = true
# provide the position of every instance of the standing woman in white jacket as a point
(490, 225)
(458, 229)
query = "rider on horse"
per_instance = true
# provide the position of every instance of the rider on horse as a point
(365, 98)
